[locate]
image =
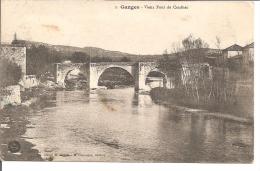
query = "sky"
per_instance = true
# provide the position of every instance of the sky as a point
(145, 31)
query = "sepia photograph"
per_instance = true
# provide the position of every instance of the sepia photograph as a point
(128, 82)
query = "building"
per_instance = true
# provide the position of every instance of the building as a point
(236, 56)
(233, 51)
(15, 54)
(248, 54)
(231, 56)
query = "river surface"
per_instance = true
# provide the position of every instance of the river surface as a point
(120, 125)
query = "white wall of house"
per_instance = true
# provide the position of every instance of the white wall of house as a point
(250, 54)
(231, 54)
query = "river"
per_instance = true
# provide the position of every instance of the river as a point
(119, 125)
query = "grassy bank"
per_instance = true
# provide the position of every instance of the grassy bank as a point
(241, 105)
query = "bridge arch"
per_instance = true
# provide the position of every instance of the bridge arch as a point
(128, 77)
(157, 77)
(75, 78)
(97, 69)
(63, 69)
(157, 71)
(114, 66)
(69, 72)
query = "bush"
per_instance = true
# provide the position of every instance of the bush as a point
(10, 73)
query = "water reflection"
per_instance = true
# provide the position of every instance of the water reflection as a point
(120, 125)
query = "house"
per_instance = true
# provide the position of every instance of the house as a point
(248, 54)
(233, 51)
(232, 54)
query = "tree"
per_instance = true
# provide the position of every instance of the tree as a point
(37, 59)
(40, 59)
(176, 47)
(182, 67)
(193, 43)
(125, 59)
(193, 50)
(218, 42)
(171, 66)
(10, 73)
(79, 57)
(165, 55)
(101, 59)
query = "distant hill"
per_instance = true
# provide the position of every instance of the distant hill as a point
(91, 51)
(114, 55)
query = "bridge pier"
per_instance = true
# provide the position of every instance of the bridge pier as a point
(93, 76)
(143, 69)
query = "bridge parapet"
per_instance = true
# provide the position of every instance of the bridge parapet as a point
(114, 63)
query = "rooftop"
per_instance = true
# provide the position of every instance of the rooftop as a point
(251, 45)
(234, 47)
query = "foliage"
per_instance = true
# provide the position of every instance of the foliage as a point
(190, 52)
(169, 65)
(10, 73)
(193, 50)
(125, 59)
(79, 57)
(101, 59)
(193, 43)
(235, 99)
(224, 89)
(39, 59)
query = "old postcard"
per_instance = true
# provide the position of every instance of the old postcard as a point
(125, 81)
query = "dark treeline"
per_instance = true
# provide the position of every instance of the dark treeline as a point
(40, 59)
(108, 59)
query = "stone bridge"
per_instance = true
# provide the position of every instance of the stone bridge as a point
(138, 70)
(63, 69)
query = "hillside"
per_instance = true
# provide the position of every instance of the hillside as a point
(114, 55)
(91, 51)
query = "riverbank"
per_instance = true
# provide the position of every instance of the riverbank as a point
(170, 98)
(14, 123)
